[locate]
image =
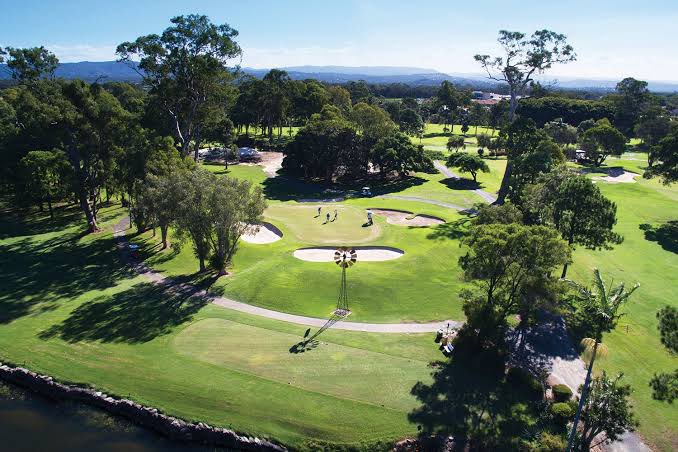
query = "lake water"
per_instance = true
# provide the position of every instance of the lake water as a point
(29, 422)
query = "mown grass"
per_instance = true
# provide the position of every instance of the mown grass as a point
(91, 321)
(69, 307)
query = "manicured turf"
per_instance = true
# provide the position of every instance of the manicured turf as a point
(68, 307)
(310, 227)
(104, 326)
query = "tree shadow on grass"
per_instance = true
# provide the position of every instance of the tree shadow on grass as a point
(137, 315)
(472, 399)
(461, 184)
(286, 187)
(40, 276)
(665, 235)
(453, 230)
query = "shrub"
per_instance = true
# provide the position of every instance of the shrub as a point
(434, 155)
(561, 393)
(551, 443)
(562, 412)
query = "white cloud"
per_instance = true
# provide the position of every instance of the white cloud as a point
(82, 52)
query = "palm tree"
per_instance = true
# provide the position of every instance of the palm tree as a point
(603, 305)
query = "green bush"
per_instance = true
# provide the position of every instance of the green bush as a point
(551, 443)
(434, 155)
(561, 393)
(562, 412)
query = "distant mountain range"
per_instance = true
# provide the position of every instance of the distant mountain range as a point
(117, 71)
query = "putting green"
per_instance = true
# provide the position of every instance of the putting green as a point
(305, 224)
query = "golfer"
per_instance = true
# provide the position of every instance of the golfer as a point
(335, 214)
(328, 217)
(369, 217)
(319, 208)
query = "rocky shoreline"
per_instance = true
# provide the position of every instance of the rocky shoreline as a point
(148, 417)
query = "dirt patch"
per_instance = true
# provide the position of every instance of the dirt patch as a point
(271, 162)
(262, 234)
(405, 218)
(365, 253)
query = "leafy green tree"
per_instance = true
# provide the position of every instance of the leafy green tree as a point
(410, 122)
(524, 58)
(46, 176)
(631, 99)
(607, 410)
(455, 142)
(585, 125)
(160, 199)
(468, 163)
(234, 207)
(532, 152)
(573, 205)
(561, 132)
(275, 101)
(601, 141)
(668, 327)
(396, 153)
(559, 108)
(194, 221)
(323, 145)
(652, 126)
(665, 386)
(30, 64)
(447, 101)
(503, 214)
(506, 261)
(602, 305)
(184, 67)
(665, 156)
(371, 121)
(340, 98)
(478, 116)
(484, 141)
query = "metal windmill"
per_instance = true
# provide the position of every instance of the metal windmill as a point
(344, 258)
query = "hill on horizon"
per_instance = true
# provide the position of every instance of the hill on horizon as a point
(118, 71)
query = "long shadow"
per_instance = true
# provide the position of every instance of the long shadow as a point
(287, 187)
(310, 343)
(461, 184)
(453, 230)
(139, 314)
(43, 275)
(666, 235)
(472, 399)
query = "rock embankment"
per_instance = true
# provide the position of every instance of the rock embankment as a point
(169, 426)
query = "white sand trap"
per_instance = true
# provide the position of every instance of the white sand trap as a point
(618, 176)
(272, 162)
(266, 233)
(365, 253)
(405, 218)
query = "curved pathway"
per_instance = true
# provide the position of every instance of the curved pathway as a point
(157, 278)
(487, 196)
(568, 368)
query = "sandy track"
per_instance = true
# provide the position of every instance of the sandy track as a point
(264, 233)
(404, 218)
(365, 253)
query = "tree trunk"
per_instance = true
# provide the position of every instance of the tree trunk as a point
(202, 264)
(587, 382)
(562, 276)
(163, 234)
(49, 206)
(503, 189)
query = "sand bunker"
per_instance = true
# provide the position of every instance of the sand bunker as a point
(365, 253)
(405, 218)
(618, 176)
(267, 233)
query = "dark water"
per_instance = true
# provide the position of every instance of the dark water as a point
(29, 422)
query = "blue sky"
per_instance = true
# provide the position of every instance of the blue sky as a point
(613, 39)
